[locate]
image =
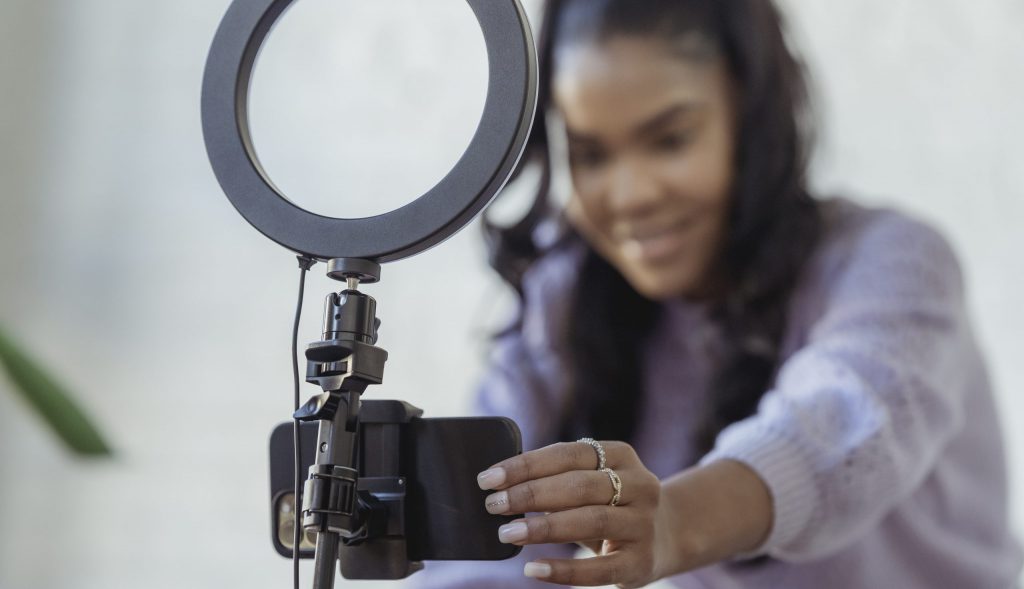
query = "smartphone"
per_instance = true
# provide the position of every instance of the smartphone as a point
(437, 460)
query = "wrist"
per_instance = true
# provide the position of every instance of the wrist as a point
(668, 551)
(711, 513)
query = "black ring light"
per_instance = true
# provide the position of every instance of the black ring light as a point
(477, 177)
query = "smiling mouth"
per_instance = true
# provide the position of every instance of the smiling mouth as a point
(659, 245)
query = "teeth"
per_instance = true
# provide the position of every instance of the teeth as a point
(633, 248)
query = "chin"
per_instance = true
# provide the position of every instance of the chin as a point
(661, 287)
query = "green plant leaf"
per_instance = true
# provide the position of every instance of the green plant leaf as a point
(51, 401)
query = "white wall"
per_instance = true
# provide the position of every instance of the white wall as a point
(126, 269)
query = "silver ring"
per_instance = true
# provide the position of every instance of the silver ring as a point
(616, 484)
(601, 461)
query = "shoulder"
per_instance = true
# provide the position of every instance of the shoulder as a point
(877, 252)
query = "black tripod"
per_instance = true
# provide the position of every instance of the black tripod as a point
(342, 507)
(387, 488)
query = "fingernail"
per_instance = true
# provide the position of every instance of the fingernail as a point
(513, 532)
(537, 570)
(490, 479)
(497, 502)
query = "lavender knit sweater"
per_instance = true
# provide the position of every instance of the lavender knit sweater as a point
(879, 439)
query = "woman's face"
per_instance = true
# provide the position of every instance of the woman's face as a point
(651, 148)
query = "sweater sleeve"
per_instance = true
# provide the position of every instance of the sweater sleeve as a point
(860, 414)
(524, 382)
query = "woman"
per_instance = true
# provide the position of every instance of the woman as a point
(787, 389)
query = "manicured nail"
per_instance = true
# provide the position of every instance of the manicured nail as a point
(497, 502)
(513, 532)
(491, 479)
(537, 570)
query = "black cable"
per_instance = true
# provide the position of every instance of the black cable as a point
(304, 265)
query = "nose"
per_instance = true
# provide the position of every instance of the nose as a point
(633, 189)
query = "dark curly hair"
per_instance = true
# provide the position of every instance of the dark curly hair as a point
(773, 222)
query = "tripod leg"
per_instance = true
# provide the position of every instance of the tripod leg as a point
(326, 560)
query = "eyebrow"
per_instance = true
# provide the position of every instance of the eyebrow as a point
(659, 120)
(649, 126)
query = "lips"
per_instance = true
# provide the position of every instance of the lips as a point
(652, 245)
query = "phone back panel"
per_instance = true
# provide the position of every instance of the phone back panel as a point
(447, 516)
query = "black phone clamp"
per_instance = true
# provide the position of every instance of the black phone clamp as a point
(343, 508)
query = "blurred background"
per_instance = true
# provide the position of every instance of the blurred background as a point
(128, 274)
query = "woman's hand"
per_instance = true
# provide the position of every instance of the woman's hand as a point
(630, 538)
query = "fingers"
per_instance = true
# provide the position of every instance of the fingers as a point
(556, 493)
(592, 545)
(585, 524)
(611, 569)
(552, 460)
(562, 480)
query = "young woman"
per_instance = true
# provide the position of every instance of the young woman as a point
(786, 389)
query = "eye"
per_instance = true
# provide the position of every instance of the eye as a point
(587, 156)
(672, 142)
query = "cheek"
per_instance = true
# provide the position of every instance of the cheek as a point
(587, 186)
(592, 220)
(704, 186)
(704, 177)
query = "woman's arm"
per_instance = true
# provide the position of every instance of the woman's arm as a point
(860, 415)
(857, 419)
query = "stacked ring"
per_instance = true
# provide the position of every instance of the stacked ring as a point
(616, 485)
(602, 465)
(601, 460)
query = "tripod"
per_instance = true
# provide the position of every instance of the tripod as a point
(343, 508)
